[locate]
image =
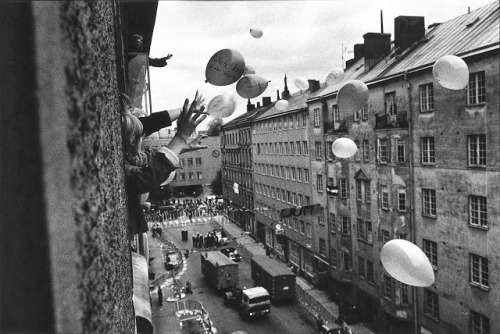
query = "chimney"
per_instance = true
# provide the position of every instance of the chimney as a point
(313, 85)
(407, 30)
(278, 95)
(376, 46)
(266, 100)
(250, 106)
(358, 54)
(286, 92)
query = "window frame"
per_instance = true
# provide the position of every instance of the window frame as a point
(426, 97)
(476, 89)
(482, 211)
(429, 202)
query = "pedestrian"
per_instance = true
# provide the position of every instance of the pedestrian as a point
(201, 241)
(188, 287)
(195, 240)
(160, 296)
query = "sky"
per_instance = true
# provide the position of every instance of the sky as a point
(300, 39)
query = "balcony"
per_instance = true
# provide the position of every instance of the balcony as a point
(336, 126)
(396, 120)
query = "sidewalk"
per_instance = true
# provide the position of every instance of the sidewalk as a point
(316, 301)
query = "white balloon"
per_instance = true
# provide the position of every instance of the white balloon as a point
(256, 32)
(352, 97)
(344, 148)
(250, 86)
(407, 263)
(281, 105)
(248, 70)
(335, 76)
(169, 179)
(451, 72)
(225, 67)
(222, 105)
(301, 83)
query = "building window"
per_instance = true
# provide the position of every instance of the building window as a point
(287, 173)
(390, 103)
(361, 267)
(200, 175)
(426, 93)
(198, 161)
(191, 176)
(480, 323)
(429, 202)
(290, 121)
(322, 247)
(370, 274)
(306, 175)
(346, 261)
(368, 196)
(297, 121)
(402, 199)
(405, 294)
(319, 150)
(479, 272)
(181, 163)
(296, 224)
(294, 176)
(476, 91)
(478, 214)
(332, 222)
(292, 148)
(321, 219)
(302, 227)
(400, 150)
(190, 162)
(361, 229)
(427, 150)
(299, 147)
(343, 187)
(431, 305)
(430, 249)
(317, 119)
(182, 176)
(359, 190)
(305, 148)
(333, 257)
(301, 200)
(319, 182)
(384, 190)
(364, 113)
(299, 174)
(345, 226)
(308, 200)
(304, 120)
(369, 232)
(477, 150)
(382, 151)
(330, 155)
(388, 290)
(308, 230)
(366, 150)
(288, 197)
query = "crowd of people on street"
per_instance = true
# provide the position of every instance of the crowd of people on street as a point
(175, 209)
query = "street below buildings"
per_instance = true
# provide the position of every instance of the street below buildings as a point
(284, 318)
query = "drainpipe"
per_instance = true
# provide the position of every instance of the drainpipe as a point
(325, 117)
(412, 189)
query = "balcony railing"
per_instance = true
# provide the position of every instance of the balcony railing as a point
(397, 120)
(336, 126)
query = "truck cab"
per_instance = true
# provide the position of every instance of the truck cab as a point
(255, 302)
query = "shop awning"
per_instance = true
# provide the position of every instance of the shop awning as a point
(142, 305)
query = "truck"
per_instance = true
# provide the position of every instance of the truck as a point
(274, 277)
(252, 302)
(220, 271)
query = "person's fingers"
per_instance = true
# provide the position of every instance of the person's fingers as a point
(201, 119)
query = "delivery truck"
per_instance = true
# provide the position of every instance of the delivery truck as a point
(220, 271)
(275, 277)
(252, 302)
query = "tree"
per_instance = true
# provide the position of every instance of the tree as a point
(216, 184)
(214, 127)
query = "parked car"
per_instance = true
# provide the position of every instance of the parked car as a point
(171, 260)
(221, 236)
(231, 253)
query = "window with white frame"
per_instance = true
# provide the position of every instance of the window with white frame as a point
(476, 90)
(294, 254)
(322, 247)
(426, 94)
(346, 261)
(319, 182)
(308, 230)
(369, 232)
(292, 148)
(301, 199)
(386, 236)
(304, 120)
(287, 173)
(382, 150)
(402, 199)
(405, 294)
(299, 147)
(317, 118)
(428, 154)
(361, 229)
(361, 267)
(357, 155)
(345, 225)
(384, 191)
(429, 202)
(295, 224)
(366, 150)
(342, 187)
(478, 211)
(476, 150)
(431, 304)
(305, 148)
(390, 103)
(430, 250)
(400, 150)
(368, 196)
(364, 113)
(388, 287)
(321, 219)
(333, 257)
(200, 175)
(306, 175)
(335, 113)
(302, 227)
(479, 271)
(332, 223)
(299, 174)
(290, 122)
(328, 148)
(318, 146)
(293, 174)
(479, 323)
(296, 121)
(359, 190)
(308, 200)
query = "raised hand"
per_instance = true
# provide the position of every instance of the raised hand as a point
(191, 116)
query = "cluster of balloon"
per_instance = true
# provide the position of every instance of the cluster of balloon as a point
(352, 96)
(344, 148)
(256, 32)
(301, 83)
(248, 70)
(335, 76)
(222, 105)
(251, 85)
(225, 67)
(407, 263)
(451, 72)
(281, 105)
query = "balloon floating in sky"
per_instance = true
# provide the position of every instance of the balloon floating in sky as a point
(344, 148)
(301, 83)
(222, 105)
(281, 105)
(451, 72)
(256, 32)
(250, 86)
(335, 76)
(353, 96)
(407, 263)
(248, 70)
(225, 67)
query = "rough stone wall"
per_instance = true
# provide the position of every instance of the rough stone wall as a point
(97, 179)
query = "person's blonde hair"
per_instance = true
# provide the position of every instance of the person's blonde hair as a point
(131, 132)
